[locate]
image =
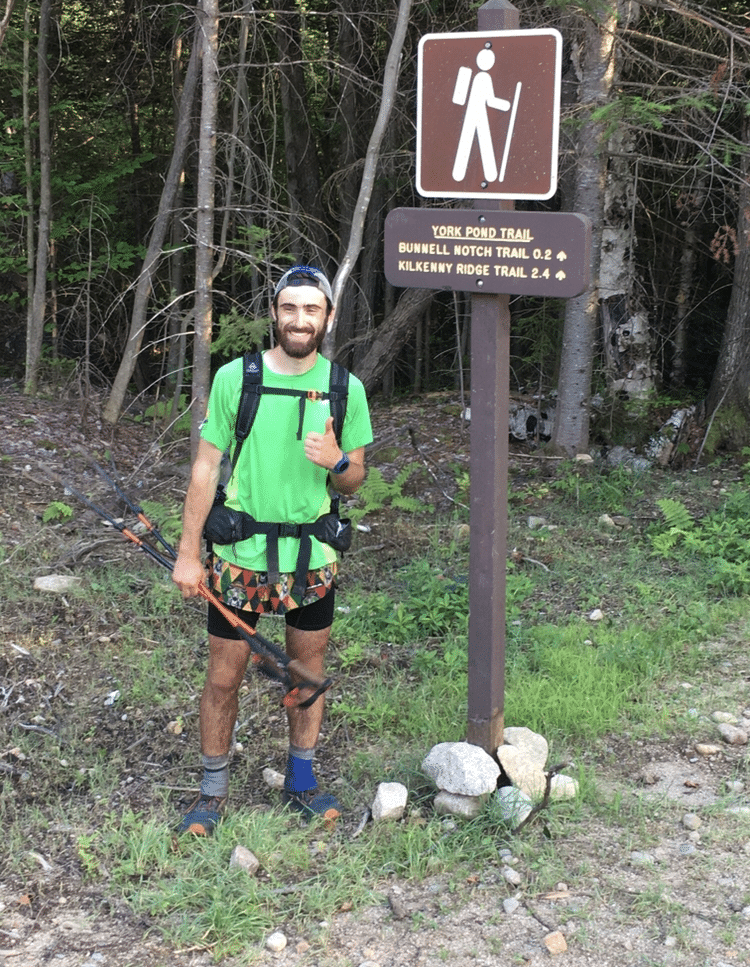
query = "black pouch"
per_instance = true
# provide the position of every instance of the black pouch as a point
(335, 531)
(223, 525)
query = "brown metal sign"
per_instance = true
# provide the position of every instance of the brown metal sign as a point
(488, 113)
(465, 250)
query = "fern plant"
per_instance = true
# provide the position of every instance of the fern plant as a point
(678, 522)
(376, 492)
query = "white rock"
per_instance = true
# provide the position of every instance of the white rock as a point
(510, 905)
(522, 771)
(57, 583)
(638, 858)
(732, 735)
(461, 768)
(454, 804)
(243, 859)
(725, 717)
(707, 748)
(735, 786)
(514, 804)
(606, 521)
(536, 523)
(511, 876)
(535, 746)
(272, 778)
(691, 821)
(563, 787)
(390, 801)
(596, 615)
(276, 942)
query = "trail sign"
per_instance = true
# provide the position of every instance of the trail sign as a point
(467, 250)
(488, 111)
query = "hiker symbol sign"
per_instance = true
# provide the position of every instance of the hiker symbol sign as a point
(488, 112)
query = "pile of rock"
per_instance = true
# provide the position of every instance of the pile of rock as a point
(466, 776)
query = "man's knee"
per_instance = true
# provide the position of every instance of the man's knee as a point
(226, 664)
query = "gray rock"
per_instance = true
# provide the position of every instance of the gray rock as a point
(454, 804)
(510, 905)
(732, 735)
(563, 787)
(691, 821)
(243, 859)
(514, 804)
(276, 942)
(461, 768)
(57, 583)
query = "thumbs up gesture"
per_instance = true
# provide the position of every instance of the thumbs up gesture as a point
(322, 448)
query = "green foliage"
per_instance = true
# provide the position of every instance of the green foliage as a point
(631, 110)
(721, 539)
(238, 334)
(57, 510)
(159, 411)
(376, 492)
(594, 491)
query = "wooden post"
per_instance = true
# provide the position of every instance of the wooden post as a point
(490, 388)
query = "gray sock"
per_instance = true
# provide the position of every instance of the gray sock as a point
(215, 781)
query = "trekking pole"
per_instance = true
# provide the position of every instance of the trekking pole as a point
(271, 659)
(137, 510)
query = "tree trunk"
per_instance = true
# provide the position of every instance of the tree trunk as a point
(390, 83)
(5, 22)
(308, 237)
(596, 73)
(392, 334)
(35, 331)
(144, 284)
(204, 228)
(730, 386)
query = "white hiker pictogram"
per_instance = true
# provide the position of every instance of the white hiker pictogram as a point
(477, 92)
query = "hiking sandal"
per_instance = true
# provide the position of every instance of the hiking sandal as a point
(313, 804)
(203, 816)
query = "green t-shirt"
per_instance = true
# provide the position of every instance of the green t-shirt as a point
(273, 480)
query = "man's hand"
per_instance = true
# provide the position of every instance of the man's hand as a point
(322, 448)
(187, 574)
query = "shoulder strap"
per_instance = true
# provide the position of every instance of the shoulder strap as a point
(252, 386)
(338, 392)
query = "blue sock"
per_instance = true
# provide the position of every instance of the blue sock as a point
(299, 770)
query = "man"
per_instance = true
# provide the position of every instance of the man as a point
(281, 475)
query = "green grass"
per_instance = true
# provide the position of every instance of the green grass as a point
(399, 653)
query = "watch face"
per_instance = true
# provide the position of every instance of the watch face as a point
(342, 464)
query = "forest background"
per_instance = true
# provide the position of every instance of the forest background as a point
(162, 163)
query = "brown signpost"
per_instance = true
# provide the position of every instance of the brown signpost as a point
(464, 250)
(488, 113)
(487, 128)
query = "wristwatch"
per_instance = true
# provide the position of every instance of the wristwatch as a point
(342, 465)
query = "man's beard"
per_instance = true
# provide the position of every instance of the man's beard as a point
(296, 349)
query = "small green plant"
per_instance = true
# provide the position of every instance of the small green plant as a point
(376, 492)
(57, 510)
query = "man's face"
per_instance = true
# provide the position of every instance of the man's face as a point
(301, 319)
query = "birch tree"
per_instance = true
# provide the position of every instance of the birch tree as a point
(35, 328)
(593, 50)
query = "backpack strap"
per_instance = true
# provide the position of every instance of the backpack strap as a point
(252, 387)
(338, 392)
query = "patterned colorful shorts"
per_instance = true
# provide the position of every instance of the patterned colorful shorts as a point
(249, 590)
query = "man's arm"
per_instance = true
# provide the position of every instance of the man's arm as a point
(323, 450)
(188, 569)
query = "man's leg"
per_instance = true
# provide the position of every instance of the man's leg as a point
(308, 645)
(219, 704)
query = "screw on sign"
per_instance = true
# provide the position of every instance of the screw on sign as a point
(488, 113)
